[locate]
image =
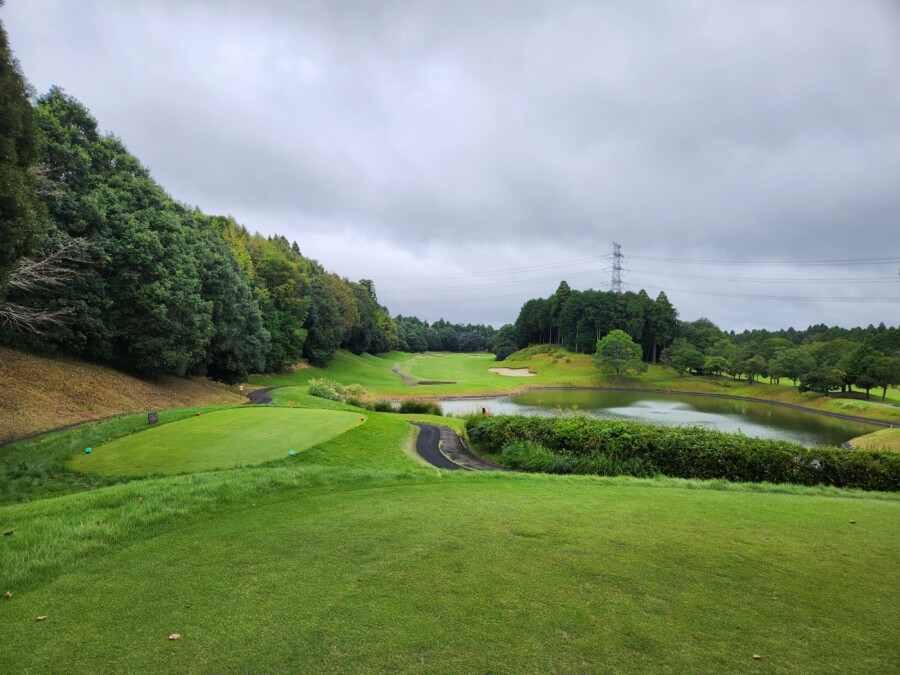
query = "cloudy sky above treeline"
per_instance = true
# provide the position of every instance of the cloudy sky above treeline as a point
(468, 156)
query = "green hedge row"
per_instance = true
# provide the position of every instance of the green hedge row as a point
(580, 444)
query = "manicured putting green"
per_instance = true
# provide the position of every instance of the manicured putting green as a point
(217, 440)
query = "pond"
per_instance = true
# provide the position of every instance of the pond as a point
(753, 419)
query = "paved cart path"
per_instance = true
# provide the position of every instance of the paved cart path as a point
(441, 447)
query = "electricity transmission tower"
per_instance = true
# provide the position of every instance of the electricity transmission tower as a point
(616, 283)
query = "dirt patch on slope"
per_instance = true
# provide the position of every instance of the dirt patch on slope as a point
(39, 393)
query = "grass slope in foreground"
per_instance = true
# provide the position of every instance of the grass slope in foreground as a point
(357, 558)
(216, 440)
(473, 573)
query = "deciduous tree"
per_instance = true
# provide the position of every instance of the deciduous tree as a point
(618, 354)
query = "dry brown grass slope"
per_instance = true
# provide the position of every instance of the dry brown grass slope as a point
(39, 393)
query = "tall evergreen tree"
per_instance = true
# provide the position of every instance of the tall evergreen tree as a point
(662, 320)
(557, 302)
(324, 325)
(239, 342)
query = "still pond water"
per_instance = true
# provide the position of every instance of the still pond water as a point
(753, 419)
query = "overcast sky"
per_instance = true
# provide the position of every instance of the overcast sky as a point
(469, 155)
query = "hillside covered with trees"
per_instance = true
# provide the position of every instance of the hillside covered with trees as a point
(99, 261)
(817, 359)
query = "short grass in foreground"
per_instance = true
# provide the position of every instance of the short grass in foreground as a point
(357, 558)
(36, 468)
(470, 573)
(216, 440)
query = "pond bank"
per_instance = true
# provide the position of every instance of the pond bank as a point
(749, 399)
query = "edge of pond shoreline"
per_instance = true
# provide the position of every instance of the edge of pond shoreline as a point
(749, 399)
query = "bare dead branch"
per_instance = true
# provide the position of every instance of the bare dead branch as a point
(28, 320)
(37, 274)
(43, 185)
(54, 269)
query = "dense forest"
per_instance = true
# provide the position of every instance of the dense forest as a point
(818, 359)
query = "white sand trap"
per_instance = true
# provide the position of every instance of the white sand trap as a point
(512, 372)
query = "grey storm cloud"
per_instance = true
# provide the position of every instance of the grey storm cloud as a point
(410, 141)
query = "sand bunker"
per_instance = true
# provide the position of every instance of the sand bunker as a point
(512, 372)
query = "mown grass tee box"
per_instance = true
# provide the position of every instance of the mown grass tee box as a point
(217, 440)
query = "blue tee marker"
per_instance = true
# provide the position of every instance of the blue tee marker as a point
(291, 453)
(87, 451)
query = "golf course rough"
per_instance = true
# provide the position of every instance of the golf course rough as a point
(222, 439)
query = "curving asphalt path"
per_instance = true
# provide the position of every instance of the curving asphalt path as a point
(429, 448)
(408, 382)
(441, 447)
(261, 396)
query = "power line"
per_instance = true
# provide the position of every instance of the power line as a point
(565, 263)
(464, 294)
(499, 284)
(801, 298)
(773, 263)
(522, 297)
(824, 280)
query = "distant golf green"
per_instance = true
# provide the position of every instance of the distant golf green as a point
(218, 440)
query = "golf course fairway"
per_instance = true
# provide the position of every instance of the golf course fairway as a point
(222, 439)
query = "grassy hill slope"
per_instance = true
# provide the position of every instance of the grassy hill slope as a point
(352, 556)
(40, 392)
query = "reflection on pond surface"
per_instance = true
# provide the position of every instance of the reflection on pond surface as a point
(731, 415)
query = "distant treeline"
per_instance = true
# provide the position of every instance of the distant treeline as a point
(415, 335)
(819, 358)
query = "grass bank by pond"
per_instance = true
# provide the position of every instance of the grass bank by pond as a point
(886, 440)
